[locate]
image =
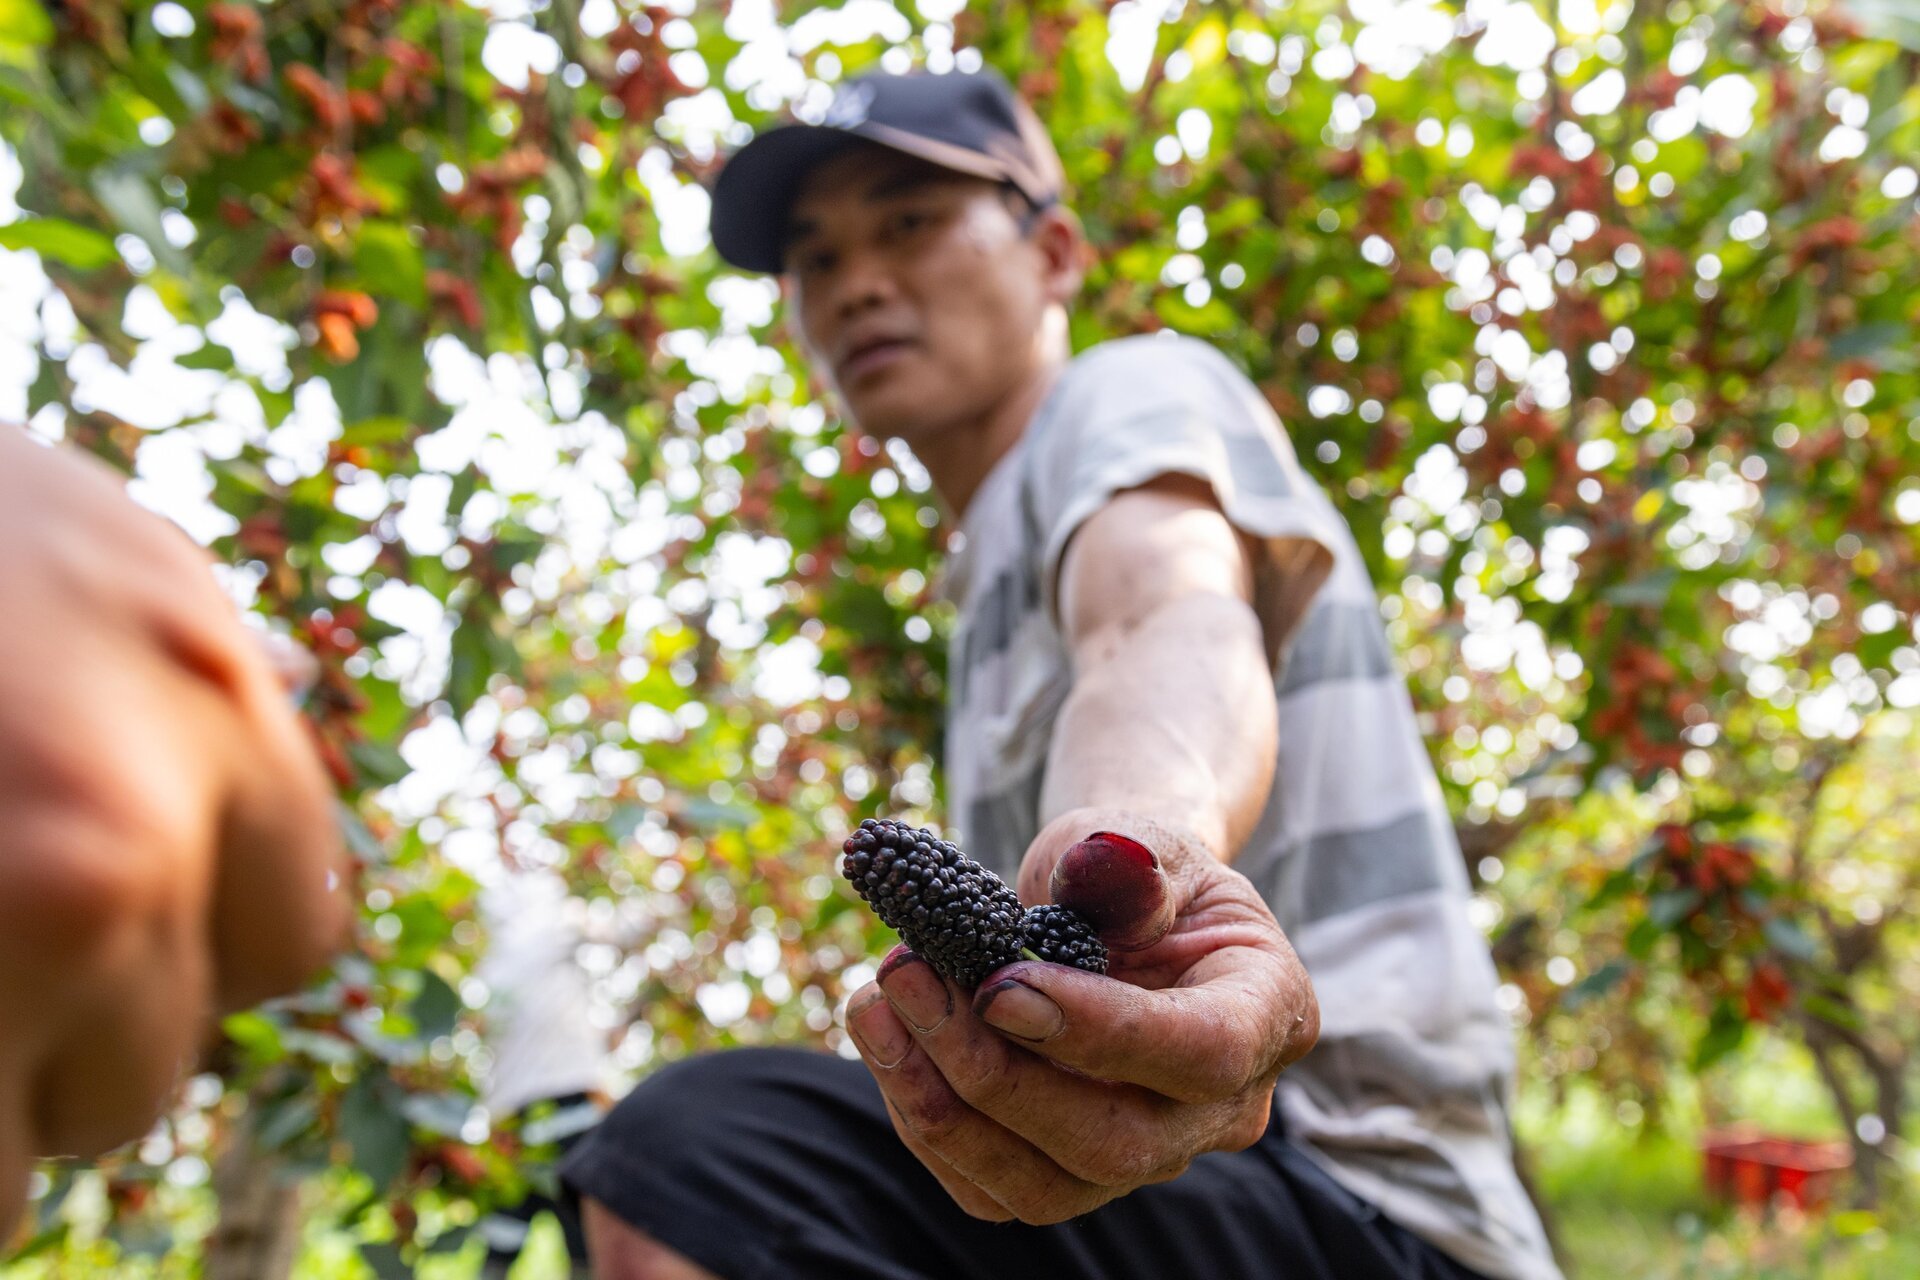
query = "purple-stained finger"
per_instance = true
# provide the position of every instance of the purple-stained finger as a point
(1117, 885)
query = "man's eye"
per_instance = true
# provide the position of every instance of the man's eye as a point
(909, 220)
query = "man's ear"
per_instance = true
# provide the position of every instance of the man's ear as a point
(1064, 251)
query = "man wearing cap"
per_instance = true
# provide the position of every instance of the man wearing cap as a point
(1165, 631)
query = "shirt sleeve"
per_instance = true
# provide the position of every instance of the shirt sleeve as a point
(1136, 409)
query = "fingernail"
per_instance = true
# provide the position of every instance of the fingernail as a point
(879, 1032)
(917, 992)
(1019, 1010)
(895, 958)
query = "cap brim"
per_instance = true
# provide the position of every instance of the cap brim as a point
(756, 188)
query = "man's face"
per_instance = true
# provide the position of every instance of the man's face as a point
(915, 290)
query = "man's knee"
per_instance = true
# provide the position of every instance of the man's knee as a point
(690, 1106)
(623, 1252)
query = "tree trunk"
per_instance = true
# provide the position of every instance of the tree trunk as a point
(259, 1228)
(1886, 1080)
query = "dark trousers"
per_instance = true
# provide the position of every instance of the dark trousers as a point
(765, 1163)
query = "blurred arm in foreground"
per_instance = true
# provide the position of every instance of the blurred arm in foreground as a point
(167, 850)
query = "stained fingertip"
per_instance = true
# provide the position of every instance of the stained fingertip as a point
(879, 1031)
(901, 954)
(1019, 1010)
(1118, 885)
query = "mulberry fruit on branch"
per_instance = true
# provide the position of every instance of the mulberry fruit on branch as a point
(954, 913)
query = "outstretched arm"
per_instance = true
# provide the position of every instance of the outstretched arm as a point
(1172, 714)
(1050, 1091)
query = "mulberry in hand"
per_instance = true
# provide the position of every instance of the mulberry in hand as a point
(954, 913)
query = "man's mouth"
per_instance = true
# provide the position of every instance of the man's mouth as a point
(871, 357)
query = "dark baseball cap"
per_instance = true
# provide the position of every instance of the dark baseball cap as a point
(969, 121)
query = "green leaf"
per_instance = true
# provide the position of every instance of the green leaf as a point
(440, 1113)
(1789, 938)
(436, 1008)
(129, 197)
(380, 431)
(508, 551)
(274, 405)
(389, 263)
(69, 243)
(1854, 1222)
(317, 1045)
(360, 840)
(1616, 886)
(24, 25)
(708, 813)
(394, 1049)
(1596, 984)
(1651, 589)
(374, 1128)
(402, 368)
(45, 388)
(45, 1242)
(450, 1240)
(380, 762)
(281, 1122)
(561, 1124)
(142, 1236)
(1725, 1030)
(211, 355)
(1670, 907)
(1868, 340)
(386, 1261)
(469, 670)
(255, 1033)
(63, 1179)
(15, 87)
(626, 819)
(189, 88)
(1828, 1009)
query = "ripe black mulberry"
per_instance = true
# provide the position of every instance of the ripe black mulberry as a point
(954, 913)
(1056, 934)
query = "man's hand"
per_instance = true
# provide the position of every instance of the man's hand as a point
(168, 848)
(1051, 1091)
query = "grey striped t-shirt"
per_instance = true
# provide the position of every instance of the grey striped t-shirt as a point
(1405, 1097)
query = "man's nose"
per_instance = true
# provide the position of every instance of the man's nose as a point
(864, 282)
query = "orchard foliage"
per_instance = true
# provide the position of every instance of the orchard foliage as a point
(1596, 318)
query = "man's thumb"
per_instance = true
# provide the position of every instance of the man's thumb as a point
(1118, 886)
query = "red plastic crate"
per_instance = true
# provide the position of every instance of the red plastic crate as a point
(1749, 1167)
